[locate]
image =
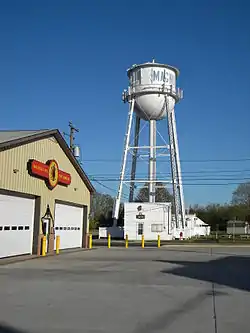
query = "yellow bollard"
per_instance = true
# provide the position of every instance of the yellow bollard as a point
(142, 241)
(90, 241)
(44, 242)
(57, 244)
(109, 241)
(159, 241)
(126, 241)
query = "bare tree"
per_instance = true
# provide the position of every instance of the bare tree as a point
(162, 194)
(241, 196)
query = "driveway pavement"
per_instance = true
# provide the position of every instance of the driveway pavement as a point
(117, 290)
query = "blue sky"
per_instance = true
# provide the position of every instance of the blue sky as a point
(67, 60)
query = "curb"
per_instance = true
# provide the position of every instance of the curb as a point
(207, 245)
(14, 260)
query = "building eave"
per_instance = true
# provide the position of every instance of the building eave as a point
(63, 144)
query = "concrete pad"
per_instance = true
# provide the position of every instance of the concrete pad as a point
(129, 290)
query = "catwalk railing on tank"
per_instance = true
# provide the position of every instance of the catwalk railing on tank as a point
(130, 94)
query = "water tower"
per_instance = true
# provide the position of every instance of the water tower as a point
(152, 95)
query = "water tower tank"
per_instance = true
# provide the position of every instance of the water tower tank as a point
(147, 79)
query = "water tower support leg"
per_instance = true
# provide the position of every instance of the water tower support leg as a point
(178, 169)
(134, 158)
(173, 169)
(152, 160)
(124, 161)
(179, 208)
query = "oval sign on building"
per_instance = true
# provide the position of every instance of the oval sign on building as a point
(50, 172)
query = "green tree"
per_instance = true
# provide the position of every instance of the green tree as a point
(161, 194)
(213, 214)
(218, 215)
(101, 210)
(241, 196)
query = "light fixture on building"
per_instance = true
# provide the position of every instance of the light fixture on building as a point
(46, 221)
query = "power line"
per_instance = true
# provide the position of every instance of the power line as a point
(188, 180)
(161, 179)
(164, 161)
(124, 196)
(186, 184)
(207, 184)
(164, 176)
(107, 187)
(183, 172)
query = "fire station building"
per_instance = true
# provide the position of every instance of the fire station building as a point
(43, 191)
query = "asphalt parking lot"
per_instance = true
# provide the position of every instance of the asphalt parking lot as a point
(173, 289)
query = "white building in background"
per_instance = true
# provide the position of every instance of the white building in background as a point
(153, 219)
(148, 219)
(236, 227)
(196, 227)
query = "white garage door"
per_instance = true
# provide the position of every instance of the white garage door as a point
(16, 225)
(69, 225)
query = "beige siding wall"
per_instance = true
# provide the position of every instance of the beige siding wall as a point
(21, 181)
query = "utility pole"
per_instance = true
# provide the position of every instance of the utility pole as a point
(73, 129)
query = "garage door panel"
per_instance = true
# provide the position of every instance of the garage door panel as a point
(69, 225)
(16, 225)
